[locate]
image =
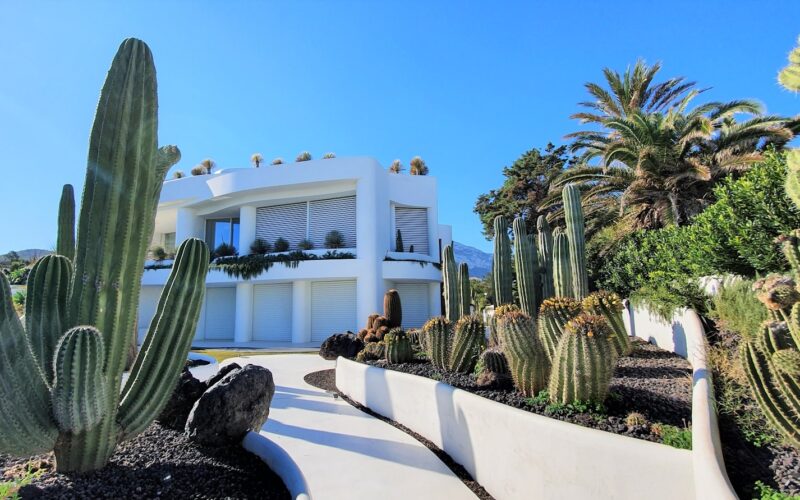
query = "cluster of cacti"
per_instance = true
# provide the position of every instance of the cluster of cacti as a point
(771, 356)
(378, 326)
(526, 262)
(527, 360)
(438, 341)
(554, 314)
(584, 362)
(372, 352)
(609, 305)
(398, 347)
(62, 372)
(468, 342)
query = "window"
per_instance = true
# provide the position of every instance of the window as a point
(219, 231)
(412, 222)
(169, 242)
(312, 220)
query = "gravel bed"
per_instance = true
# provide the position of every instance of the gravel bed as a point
(159, 463)
(326, 380)
(650, 381)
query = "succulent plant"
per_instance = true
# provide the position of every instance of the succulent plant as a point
(328, 156)
(371, 320)
(304, 156)
(334, 239)
(525, 261)
(584, 361)
(277, 161)
(562, 270)
(493, 360)
(199, 170)
(437, 341)
(468, 341)
(450, 284)
(464, 291)
(494, 339)
(789, 76)
(396, 167)
(281, 245)
(63, 370)
(372, 352)
(65, 244)
(609, 305)
(573, 214)
(257, 159)
(398, 242)
(635, 419)
(398, 347)
(554, 315)
(544, 256)
(392, 309)
(418, 166)
(501, 264)
(527, 360)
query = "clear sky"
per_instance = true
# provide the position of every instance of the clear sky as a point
(468, 86)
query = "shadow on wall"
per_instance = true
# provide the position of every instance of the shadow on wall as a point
(453, 426)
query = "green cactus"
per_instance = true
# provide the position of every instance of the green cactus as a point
(392, 309)
(792, 184)
(527, 360)
(501, 264)
(398, 242)
(789, 77)
(525, 262)
(573, 214)
(468, 341)
(398, 347)
(562, 270)
(464, 291)
(493, 360)
(437, 341)
(75, 407)
(609, 305)
(65, 244)
(450, 284)
(372, 352)
(554, 315)
(545, 256)
(494, 339)
(584, 362)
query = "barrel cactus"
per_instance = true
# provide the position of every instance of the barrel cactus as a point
(562, 269)
(609, 305)
(392, 309)
(464, 291)
(525, 261)
(573, 214)
(398, 347)
(61, 393)
(494, 339)
(493, 360)
(554, 314)
(450, 283)
(437, 341)
(544, 256)
(468, 341)
(584, 361)
(501, 264)
(527, 361)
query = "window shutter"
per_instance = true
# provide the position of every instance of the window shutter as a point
(413, 226)
(282, 221)
(335, 214)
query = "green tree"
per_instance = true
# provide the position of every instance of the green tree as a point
(527, 183)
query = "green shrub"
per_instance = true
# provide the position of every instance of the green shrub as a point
(737, 309)
(306, 245)
(766, 492)
(676, 437)
(304, 156)
(260, 247)
(334, 239)
(158, 253)
(328, 156)
(224, 250)
(277, 161)
(281, 245)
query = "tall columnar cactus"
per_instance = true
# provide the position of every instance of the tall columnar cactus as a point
(438, 341)
(493, 360)
(464, 291)
(545, 256)
(65, 244)
(501, 263)
(527, 276)
(80, 323)
(450, 283)
(584, 361)
(562, 270)
(573, 214)
(609, 305)
(393, 309)
(398, 347)
(527, 361)
(554, 315)
(468, 341)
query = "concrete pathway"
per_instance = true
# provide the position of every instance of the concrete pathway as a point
(324, 448)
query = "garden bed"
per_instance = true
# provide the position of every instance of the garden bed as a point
(158, 463)
(650, 381)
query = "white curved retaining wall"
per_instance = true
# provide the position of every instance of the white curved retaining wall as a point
(516, 454)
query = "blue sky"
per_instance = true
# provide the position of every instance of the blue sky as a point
(468, 86)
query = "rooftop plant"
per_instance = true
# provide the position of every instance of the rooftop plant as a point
(256, 159)
(396, 167)
(328, 156)
(418, 166)
(277, 161)
(304, 156)
(334, 239)
(178, 174)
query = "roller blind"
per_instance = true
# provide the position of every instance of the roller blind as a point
(334, 214)
(413, 226)
(282, 221)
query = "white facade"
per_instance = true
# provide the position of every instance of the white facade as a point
(305, 304)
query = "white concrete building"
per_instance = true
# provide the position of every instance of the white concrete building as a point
(305, 304)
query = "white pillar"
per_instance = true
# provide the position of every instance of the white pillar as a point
(301, 312)
(435, 299)
(247, 229)
(187, 225)
(243, 326)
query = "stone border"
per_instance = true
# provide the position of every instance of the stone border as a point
(280, 462)
(517, 454)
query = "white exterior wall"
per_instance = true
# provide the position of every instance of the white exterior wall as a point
(186, 204)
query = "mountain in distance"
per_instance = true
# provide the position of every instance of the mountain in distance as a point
(27, 254)
(479, 262)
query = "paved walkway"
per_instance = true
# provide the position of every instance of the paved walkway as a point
(337, 451)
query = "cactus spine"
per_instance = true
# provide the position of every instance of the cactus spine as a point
(553, 317)
(525, 262)
(124, 177)
(392, 309)
(526, 357)
(584, 362)
(573, 214)
(562, 271)
(464, 291)
(609, 305)
(450, 283)
(501, 264)
(545, 256)
(437, 341)
(65, 244)
(468, 341)
(398, 347)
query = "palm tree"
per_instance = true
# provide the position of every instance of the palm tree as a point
(396, 167)
(257, 159)
(209, 164)
(418, 166)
